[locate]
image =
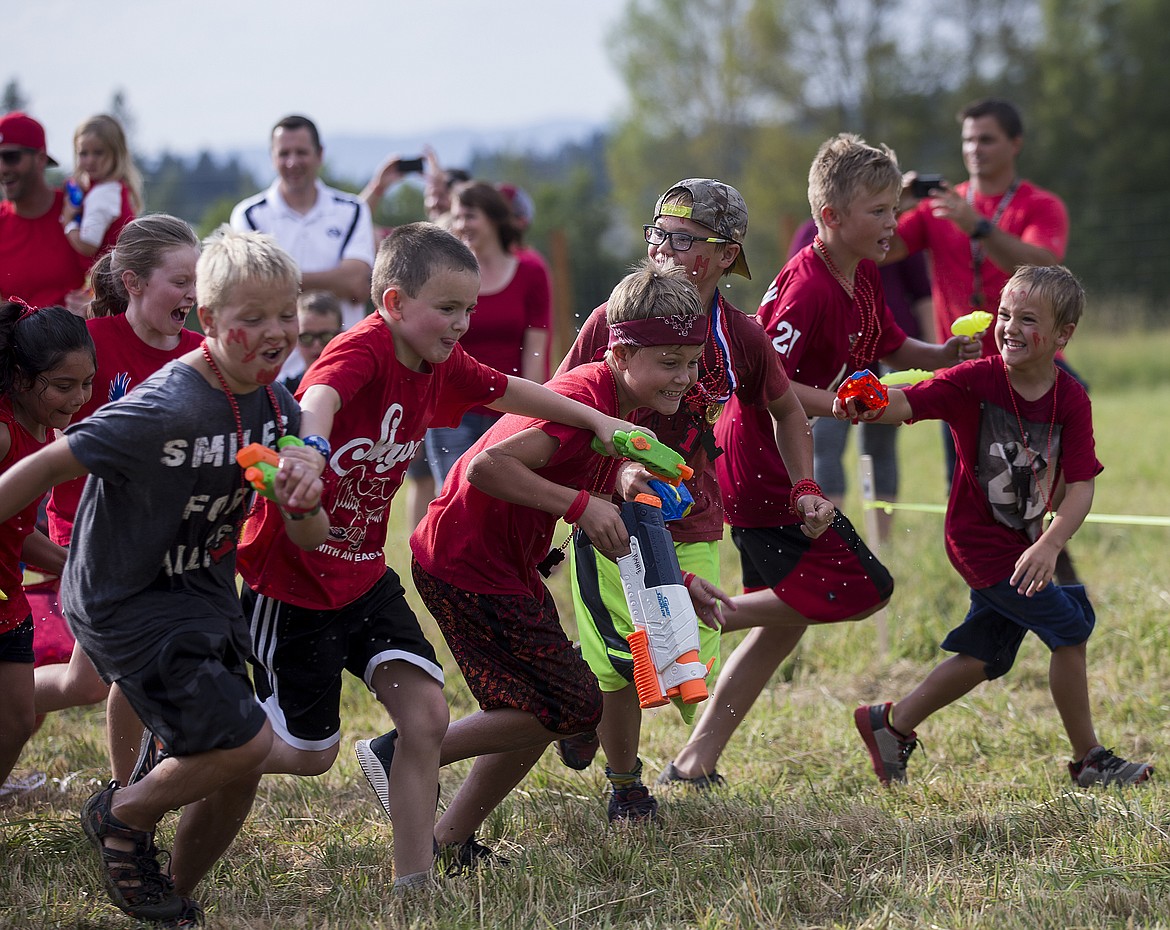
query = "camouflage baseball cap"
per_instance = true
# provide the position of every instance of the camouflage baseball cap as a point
(717, 206)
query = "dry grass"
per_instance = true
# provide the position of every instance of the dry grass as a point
(989, 833)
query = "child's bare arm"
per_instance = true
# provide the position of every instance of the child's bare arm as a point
(535, 400)
(41, 552)
(31, 477)
(794, 441)
(507, 470)
(914, 353)
(319, 406)
(1035, 568)
(898, 410)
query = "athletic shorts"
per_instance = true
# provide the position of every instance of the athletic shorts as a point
(16, 645)
(825, 580)
(603, 617)
(195, 695)
(299, 655)
(514, 653)
(999, 617)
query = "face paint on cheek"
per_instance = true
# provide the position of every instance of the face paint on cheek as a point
(700, 266)
(267, 375)
(238, 335)
(1037, 340)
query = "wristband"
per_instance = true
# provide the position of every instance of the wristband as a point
(688, 577)
(802, 487)
(983, 228)
(320, 443)
(577, 508)
(300, 514)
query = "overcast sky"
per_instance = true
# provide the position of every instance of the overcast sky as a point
(217, 73)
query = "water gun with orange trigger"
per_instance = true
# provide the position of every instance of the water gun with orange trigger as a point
(668, 467)
(260, 464)
(865, 390)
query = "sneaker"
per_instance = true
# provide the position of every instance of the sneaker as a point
(634, 803)
(888, 749)
(150, 754)
(466, 857)
(15, 785)
(192, 916)
(133, 878)
(1101, 767)
(375, 756)
(578, 751)
(670, 776)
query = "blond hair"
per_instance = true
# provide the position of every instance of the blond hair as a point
(1053, 286)
(651, 290)
(846, 167)
(231, 258)
(108, 131)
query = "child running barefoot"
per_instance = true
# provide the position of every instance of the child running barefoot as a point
(150, 581)
(46, 372)
(1023, 429)
(477, 550)
(110, 183)
(144, 290)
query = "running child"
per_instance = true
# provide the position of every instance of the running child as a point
(144, 291)
(149, 584)
(110, 185)
(1023, 430)
(825, 317)
(477, 551)
(699, 224)
(46, 373)
(367, 403)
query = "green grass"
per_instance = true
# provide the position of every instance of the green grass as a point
(988, 833)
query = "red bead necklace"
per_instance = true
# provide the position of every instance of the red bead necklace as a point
(1050, 469)
(860, 291)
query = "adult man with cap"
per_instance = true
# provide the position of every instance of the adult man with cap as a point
(37, 263)
(699, 223)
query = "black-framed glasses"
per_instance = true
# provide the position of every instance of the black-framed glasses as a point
(679, 241)
(307, 339)
(12, 157)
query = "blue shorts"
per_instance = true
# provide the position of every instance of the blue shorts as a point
(1000, 616)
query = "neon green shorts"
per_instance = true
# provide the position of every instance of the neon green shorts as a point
(603, 619)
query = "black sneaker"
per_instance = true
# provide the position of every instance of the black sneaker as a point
(150, 754)
(671, 776)
(1101, 767)
(133, 878)
(375, 757)
(577, 752)
(466, 857)
(634, 803)
(888, 749)
(192, 916)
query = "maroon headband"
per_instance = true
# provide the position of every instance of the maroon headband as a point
(687, 329)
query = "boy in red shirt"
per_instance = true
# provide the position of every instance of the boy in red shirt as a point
(366, 404)
(1023, 428)
(476, 551)
(826, 317)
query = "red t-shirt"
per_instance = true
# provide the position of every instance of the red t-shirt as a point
(37, 263)
(496, 334)
(1033, 215)
(16, 529)
(123, 362)
(812, 324)
(997, 500)
(486, 545)
(759, 380)
(386, 409)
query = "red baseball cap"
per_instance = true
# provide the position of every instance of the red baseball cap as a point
(20, 129)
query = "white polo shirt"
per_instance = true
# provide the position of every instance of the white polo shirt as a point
(337, 227)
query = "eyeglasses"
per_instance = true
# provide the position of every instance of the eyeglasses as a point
(679, 241)
(12, 157)
(307, 339)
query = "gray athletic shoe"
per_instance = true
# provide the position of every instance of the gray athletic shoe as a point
(375, 757)
(888, 749)
(1101, 767)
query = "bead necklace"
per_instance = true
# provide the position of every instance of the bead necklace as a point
(1048, 464)
(714, 386)
(234, 404)
(860, 291)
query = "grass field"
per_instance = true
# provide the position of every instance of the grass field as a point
(988, 833)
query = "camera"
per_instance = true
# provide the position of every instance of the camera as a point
(922, 185)
(409, 165)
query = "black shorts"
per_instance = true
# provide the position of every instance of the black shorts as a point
(195, 695)
(16, 645)
(299, 655)
(827, 579)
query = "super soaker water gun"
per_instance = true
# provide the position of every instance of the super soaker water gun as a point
(971, 324)
(906, 376)
(665, 640)
(668, 467)
(865, 390)
(260, 464)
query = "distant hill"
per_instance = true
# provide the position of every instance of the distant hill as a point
(356, 157)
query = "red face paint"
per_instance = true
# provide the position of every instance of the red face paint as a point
(1037, 340)
(267, 375)
(701, 265)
